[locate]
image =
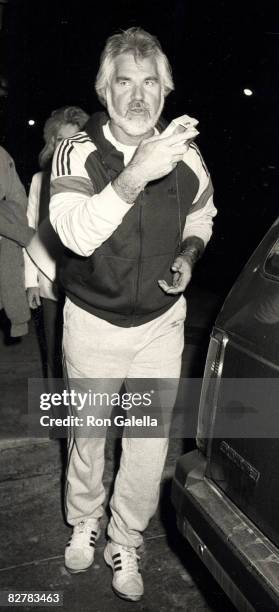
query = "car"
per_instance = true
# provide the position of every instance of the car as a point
(226, 491)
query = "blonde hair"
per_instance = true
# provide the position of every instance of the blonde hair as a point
(141, 44)
(62, 116)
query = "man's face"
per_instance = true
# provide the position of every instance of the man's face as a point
(134, 98)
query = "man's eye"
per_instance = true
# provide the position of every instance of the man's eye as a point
(149, 82)
(123, 83)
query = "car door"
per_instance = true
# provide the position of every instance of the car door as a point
(243, 450)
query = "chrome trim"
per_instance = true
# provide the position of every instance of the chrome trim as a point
(217, 571)
(212, 375)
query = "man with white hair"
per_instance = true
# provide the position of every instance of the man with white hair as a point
(133, 205)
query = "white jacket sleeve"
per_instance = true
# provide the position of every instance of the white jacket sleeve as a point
(82, 219)
(199, 221)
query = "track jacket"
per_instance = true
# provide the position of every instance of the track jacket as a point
(116, 252)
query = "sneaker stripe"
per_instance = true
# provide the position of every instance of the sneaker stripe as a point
(79, 551)
(124, 565)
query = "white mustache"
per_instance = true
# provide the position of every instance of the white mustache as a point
(138, 106)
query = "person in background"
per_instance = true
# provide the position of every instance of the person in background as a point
(14, 234)
(63, 123)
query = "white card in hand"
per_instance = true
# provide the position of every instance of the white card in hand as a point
(182, 123)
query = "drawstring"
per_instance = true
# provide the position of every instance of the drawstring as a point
(179, 209)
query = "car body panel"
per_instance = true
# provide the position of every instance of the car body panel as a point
(226, 495)
(243, 561)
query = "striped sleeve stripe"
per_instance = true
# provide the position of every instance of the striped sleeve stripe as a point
(63, 158)
(203, 199)
(75, 184)
(68, 152)
(60, 158)
(80, 138)
(194, 146)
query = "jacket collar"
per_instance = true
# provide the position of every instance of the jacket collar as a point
(111, 157)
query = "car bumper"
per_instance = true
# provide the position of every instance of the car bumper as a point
(239, 556)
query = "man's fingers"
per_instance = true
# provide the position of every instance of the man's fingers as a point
(175, 138)
(177, 264)
(176, 279)
(181, 277)
(164, 285)
(179, 150)
(168, 288)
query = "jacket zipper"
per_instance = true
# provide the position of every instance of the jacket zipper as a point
(139, 260)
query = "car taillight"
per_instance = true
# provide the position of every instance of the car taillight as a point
(210, 388)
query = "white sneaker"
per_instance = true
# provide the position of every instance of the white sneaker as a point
(79, 552)
(127, 581)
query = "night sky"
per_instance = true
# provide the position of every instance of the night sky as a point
(50, 55)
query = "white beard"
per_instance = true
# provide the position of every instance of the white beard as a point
(133, 125)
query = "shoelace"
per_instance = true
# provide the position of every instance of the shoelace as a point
(81, 527)
(82, 533)
(129, 560)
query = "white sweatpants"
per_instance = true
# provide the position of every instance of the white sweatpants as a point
(96, 349)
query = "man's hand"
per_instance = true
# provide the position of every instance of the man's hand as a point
(33, 297)
(182, 275)
(191, 250)
(154, 158)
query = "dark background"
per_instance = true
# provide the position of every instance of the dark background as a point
(50, 54)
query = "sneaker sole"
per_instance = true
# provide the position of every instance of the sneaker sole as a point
(109, 563)
(78, 571)
(126, 597)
